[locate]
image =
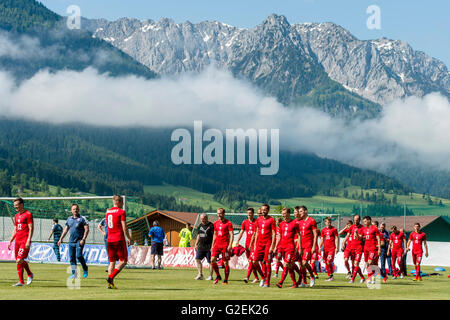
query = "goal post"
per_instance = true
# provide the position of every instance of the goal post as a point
(45, 209)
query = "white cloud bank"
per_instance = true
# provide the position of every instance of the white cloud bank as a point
(416, 130)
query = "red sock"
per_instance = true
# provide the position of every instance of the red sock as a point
(418, 271)
(257, 267)
(304, 274)
(227, 271)
(311, 274)
(215, 268)
(313, 268)
(358, 269)
(20, 272)
(268, 272)
(263, 268)
(114, 273)
(347, 265)
(250, 269)
(283, 275)
(279, 264)
(328, 268)
(355, 271)
(27, 268)
(255, 273)
(292, 274)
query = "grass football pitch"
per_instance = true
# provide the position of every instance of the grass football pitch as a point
(179, 284)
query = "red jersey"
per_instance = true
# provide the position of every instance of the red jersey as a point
(265, 228)
(249, 227)
(288, 230)
(21, 221)
(417, 240)
(114, 216)
(354, 242)
(329, 236)
(222, 230)
(370, 238)
(306, 231)
(397, 240)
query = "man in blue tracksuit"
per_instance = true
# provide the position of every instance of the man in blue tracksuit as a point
(57, 230)
(79, 230)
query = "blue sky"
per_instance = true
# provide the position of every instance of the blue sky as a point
(425, 25)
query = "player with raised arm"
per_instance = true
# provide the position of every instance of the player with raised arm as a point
(395, 250)
(346, 248)
(372, 246)
(356, 246)
(419, 240)
(116, 243)
(309, 235)
(278, 253)
(221, 245)
(249, 227)
(329, 239)
(22, 235)
(264, 243)
(287, 244)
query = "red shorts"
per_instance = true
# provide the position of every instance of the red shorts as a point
(417, 257)
(306, 254)
(19, 249)
(371, 255)
(117, 251)
(356, 254)
(395, 254)
(328, 255)
(217, 251)
(262, 253)
(288, 255)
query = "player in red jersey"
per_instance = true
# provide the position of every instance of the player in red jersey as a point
(346, 248)
(249, 227)
(382, 243)
(356, 247)
(395, 250)
(372, 245)
(116, 243)
(287, 244)
(278, 253)
(221, 245)
(315, 257)
(329, 239)
(419, 240)
(22, 234)
(264, 243)
(309, 234)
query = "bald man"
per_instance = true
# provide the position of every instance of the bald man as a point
(205, 232)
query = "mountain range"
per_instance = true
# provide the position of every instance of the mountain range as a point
(317, 64)
(294, 62)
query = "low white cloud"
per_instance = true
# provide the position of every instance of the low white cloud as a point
(415, 130)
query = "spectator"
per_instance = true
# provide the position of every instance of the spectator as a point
(57, 230)
(104, 231)
(205, 233)
(185, 236)
(157, 235)
(384, 254)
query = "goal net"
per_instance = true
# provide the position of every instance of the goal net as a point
(238, 218)
(45, 209)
